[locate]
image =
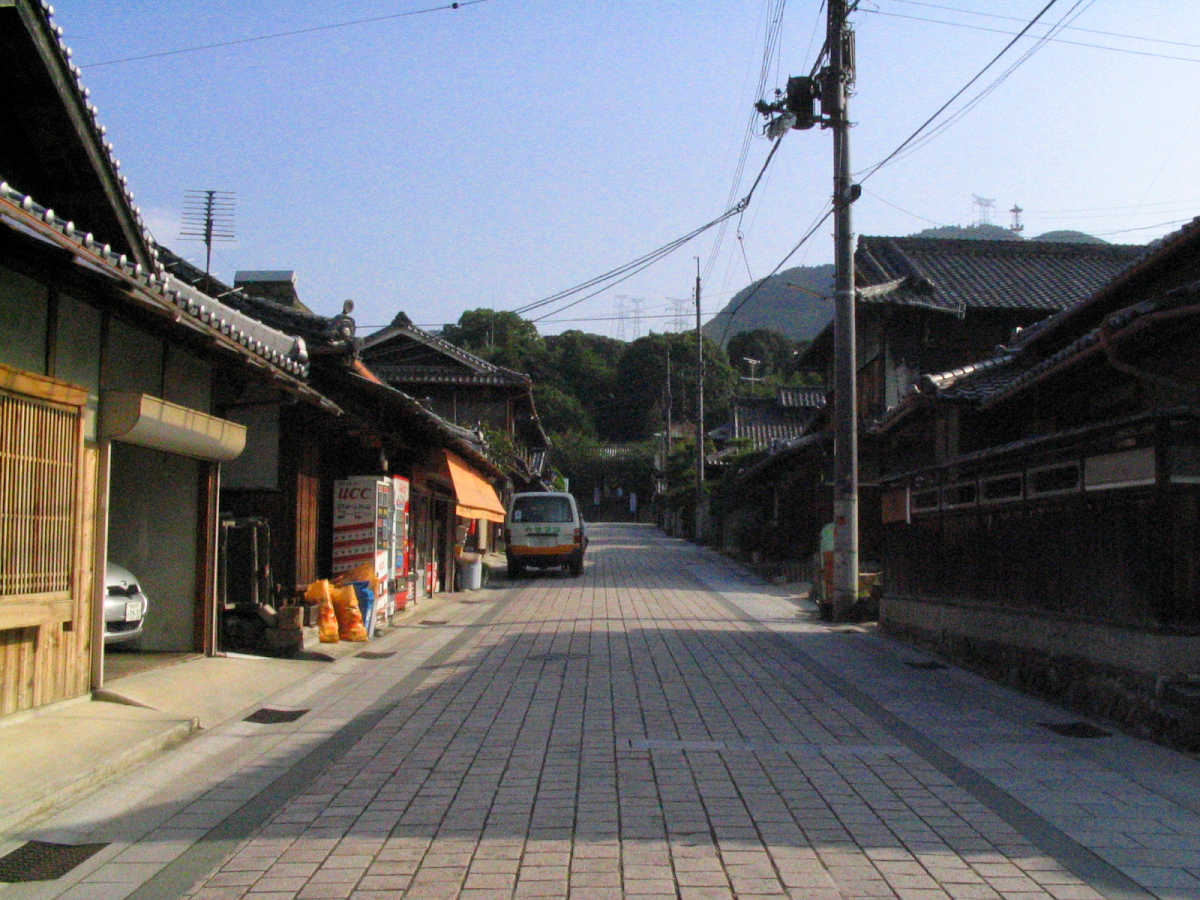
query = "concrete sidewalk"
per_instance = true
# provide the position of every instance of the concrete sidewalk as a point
(51, 757)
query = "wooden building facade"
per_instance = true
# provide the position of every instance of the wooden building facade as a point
(1042, 517)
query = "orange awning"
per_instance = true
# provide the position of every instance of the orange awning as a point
(476, 498)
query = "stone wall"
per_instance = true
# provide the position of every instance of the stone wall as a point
(1142, 681)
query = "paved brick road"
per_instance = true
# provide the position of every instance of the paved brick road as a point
(660, 727)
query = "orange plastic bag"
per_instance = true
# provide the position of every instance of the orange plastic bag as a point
(361, 572)
(327, 623)
(349, 616)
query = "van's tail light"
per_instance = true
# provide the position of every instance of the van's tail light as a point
(578, 535)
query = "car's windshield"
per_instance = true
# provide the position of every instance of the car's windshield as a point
(541, 509)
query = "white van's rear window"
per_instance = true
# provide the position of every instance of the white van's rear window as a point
(541, 509)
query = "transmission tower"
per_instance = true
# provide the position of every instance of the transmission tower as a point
(208, 216)
(679, 313)
(619, 312)
(984, 207)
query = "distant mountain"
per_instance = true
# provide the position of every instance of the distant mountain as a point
(795, 303)
(1069, 237)
(970, 233)
(797, 314)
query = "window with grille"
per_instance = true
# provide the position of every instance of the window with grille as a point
(39, 447)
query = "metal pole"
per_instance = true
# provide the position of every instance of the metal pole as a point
(845, 465)
(670, 401)
(699, 415)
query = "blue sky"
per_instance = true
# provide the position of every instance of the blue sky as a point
(501, 152)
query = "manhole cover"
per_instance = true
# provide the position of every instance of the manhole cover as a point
(267, 716)
(375, 654)
(1076, 729)
(557, 657)
(43, 861)
(432, 622)
(928, 665)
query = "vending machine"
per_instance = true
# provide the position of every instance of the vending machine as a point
(403, 580)
(364, 516)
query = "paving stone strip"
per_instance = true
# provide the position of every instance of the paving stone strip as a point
(656, 728)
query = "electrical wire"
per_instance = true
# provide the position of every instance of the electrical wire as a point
(1058, 40)
(621, 273)
(1146, 227)
(907, 212)
(774, 28)
(282, 34)
(754, 290)
(1073, 13)
(962, 90)
(988, 15)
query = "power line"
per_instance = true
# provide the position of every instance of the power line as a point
(282, 34)
(754, 290)
(907, 212)
(983, 94)
(1147, 227)
(1056, 40)
(621, 273)
(770, 52)
(988, 15)
(962, 90)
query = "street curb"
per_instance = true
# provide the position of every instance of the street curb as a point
(178, 731)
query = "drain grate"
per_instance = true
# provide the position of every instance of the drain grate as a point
(267, 716)
(43, 861)
(928, 665)
(375, 654)
(432, 622)
(1076, 729)
(557, 657)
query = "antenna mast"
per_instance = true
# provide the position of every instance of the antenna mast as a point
(1016, 227)
(208, 216)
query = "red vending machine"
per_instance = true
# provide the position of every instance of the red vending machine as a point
(403, 580)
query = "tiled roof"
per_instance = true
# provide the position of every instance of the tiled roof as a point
(439, 375)
(490, 373)
(1010, 371)
(802, 398)
(957, 275)
(973, 382)
(161, 287)
(1162, 254)
(294, 320)
(68, 79)
(765, 421)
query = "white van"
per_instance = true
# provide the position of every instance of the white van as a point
(542, 530)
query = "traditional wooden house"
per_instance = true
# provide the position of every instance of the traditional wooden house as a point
(923, 305)
(111, 442)
(295, 453)
(1041, 508)
(465, 390)
(759, 423)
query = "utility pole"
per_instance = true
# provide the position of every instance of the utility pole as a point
(837, 82)
(699, 415)
(669, 401)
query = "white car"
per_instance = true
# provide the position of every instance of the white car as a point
(544, 529)
(125, 605)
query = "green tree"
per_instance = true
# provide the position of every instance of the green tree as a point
(501, 337)
(561, 411)
(641, 384)
(585, 366)
(774, 352)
